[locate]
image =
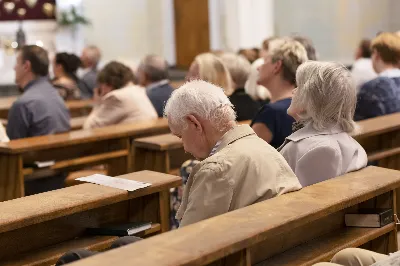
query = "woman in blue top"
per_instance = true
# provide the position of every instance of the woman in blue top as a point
(278, 74)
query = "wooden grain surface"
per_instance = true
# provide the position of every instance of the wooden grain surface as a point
(215, 238)
(85, 136)
(378, 125)
(50, 205)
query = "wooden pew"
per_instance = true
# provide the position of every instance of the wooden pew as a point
(71, 151)
(37, 230)
(77, 108)
(163, 153)
(299, 228)
(76, 122)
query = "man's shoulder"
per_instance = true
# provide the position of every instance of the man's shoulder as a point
(378, 83)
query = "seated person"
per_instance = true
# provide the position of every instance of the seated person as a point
(209, 67)
(3, 134)
(308, 45)
(239, 68)
(90, 59)
(153, 75)
(250, 55)
(66, 81)
(362, 257)
(324, 101)
(278, 74)
(118, 99)
(237, 167)
(381, 96)
(362, 69)
(40, 110)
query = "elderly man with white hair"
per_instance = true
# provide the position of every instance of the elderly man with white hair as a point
(324, 102)
(237, 167)
(153, 75)
(90, 58)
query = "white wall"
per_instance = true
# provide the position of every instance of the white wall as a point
(130, 29)
(335, 26)
(236, 24)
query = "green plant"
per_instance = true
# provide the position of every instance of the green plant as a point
(71, 18)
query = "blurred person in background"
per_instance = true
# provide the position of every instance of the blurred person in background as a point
(362, 69)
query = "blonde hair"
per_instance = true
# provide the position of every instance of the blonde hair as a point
(212, 70)
(291, 53)
(388, 47)
(327, 94)
(239, 68)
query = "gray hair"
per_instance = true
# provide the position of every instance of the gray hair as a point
(238, 66)
(327, 93)
(201, 99)
(155, 67)
(291, 53)
(94, 54)
(308, 45)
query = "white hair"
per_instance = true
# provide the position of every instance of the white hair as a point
(93, 54)
(201, 99)
(257, 92)
(238, 66)
(327, 94)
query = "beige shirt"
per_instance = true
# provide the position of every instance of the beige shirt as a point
(243, 170)
(3, 134)
(125, 105)
(317, 156)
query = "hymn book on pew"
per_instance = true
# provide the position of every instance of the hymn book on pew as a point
(127, 229)
(114, 182)
(374, 218)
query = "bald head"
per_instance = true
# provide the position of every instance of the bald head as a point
(91, 56)
(152, 69)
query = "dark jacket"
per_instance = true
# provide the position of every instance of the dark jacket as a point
(158, 96)
(246, 108)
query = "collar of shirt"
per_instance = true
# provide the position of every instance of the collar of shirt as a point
(35, 81)
(309, 131)
(390, 73)
(215, 148)
(157, 84)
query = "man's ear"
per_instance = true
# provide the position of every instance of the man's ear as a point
(27, 66)
(193, 121)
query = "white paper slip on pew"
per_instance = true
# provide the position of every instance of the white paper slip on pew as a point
(115, 182)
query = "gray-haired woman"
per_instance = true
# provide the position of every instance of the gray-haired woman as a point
(324, 102)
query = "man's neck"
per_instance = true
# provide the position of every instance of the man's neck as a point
(387, 67)
(27, 80)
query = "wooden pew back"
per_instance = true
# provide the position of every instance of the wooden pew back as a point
(299, 228)
(38, 229)
(71, 151)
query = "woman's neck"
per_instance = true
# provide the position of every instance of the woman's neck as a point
(284, 91)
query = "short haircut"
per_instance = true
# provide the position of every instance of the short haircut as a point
(239, 68)
(212, 70)
(308, 44)
(94, 54)
(327, 94)
(38, 58)
(365, 48)
(387, 45)
(201, 99)
(291, 53)
(115, 74)
(265, 43)
(155, 67)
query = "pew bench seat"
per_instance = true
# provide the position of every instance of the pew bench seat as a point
(298, 228)
(38, 229)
